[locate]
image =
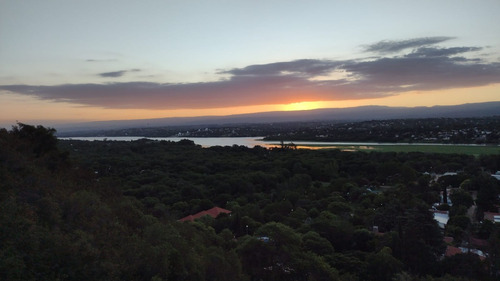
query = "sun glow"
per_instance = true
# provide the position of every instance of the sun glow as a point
(304, 105)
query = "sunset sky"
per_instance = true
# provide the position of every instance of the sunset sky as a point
(72, 61)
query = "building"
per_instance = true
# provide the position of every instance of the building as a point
(494, 217)
(496, 175)
(214, 212)
(441, 217)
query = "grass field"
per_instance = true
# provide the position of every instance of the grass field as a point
(459, 149)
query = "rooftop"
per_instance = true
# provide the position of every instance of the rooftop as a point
(214, 212)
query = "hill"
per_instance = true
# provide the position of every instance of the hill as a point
(361, 113)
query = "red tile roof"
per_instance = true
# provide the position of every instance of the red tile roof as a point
(490, 216)
(478, 242)
(214, 212)
(451, 251)
(448, 239)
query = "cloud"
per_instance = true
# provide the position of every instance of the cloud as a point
(440, 52)
(421, 68)
(100, 60)
(397, 46)
(304, 67)
(115, 74)
(238, 91)
(423, 73)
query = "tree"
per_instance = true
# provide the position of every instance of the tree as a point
(461, 221)
(422, 241)
(487, 195)
(467, 185)
(494, 251)
(281, 236)
(337, 230)
(465, 265)
(41, 139)
(382, 265)
(313, 242)
(461, 197)
(256, 257)
(363, 240)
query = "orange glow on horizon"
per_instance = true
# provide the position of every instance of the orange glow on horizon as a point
(34, 111)
(305, 105)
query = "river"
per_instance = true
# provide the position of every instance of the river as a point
(254, 141)
(205, 142)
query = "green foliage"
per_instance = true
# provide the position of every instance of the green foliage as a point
(488, 191)
(110, 211)
(465, 265)
(462, 198)
(460, 221)
(39, 138)
(422, 241)
(313, 242)
(54, 225)
(337, 230)
(382, 265)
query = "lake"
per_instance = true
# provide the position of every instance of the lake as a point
(205, 142)
(230, 141)
(346, 146)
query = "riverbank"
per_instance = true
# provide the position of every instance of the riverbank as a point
(469, 149)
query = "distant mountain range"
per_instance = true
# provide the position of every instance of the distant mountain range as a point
(361, 113)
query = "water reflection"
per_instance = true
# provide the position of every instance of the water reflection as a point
(205, 142)
(258, 141)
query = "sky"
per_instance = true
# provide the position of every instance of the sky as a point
(73, 61)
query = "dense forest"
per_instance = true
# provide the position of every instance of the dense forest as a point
(109, 210)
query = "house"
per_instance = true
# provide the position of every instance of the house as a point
(451, 251)
(264, 239)
(478, 243)
(448, 239)
(441, 217)
(214, 212)
(494, 217)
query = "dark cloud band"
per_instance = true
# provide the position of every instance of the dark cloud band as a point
(423, 68)
(397, 46)
(119, 73)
